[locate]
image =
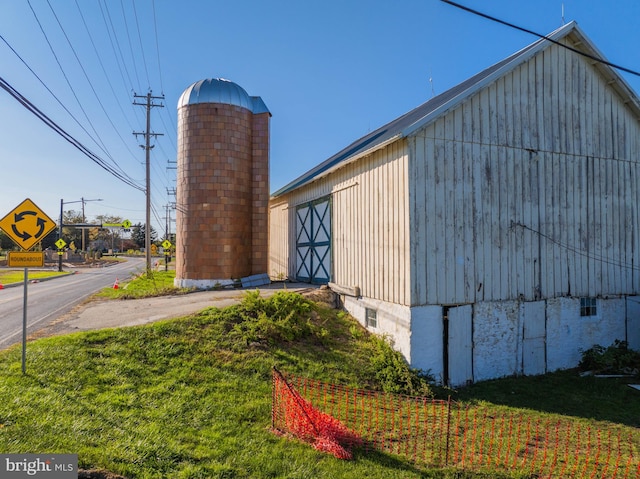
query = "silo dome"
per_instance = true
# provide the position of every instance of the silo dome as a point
(221, 91)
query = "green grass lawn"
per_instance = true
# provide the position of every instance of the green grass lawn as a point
(158, 283)
(17, 275)
(191, 397)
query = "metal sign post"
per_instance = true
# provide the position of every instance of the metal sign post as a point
(24, 323)
(26, 225)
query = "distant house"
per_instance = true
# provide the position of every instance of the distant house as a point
(492, 231)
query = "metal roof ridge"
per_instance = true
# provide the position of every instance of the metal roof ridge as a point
(438, 105)
(488, 75)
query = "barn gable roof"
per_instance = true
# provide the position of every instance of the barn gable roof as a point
(418, 118)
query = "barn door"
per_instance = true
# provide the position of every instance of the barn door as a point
(313, 241)
(533, 338)
(458, 345)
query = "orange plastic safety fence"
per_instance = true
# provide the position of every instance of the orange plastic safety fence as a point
(336, 419)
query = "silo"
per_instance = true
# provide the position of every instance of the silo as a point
(222, 189)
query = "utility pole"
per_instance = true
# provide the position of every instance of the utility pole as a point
(84, 220)
(147, 147)
(167, 219)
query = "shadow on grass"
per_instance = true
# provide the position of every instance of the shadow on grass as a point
(393, 462)
(564, 392)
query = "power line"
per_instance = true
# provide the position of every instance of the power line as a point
(58, 129)
(92, 88)
(117, 52)
(133, 58)
(155, 29)
(101, 144)
(104, 70)
(144, 60)
(544, 37)
(48, 89)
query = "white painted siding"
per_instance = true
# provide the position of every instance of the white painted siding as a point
(279, 240)
(527, 190)
(370, 228)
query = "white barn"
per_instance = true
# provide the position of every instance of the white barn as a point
(492, 231)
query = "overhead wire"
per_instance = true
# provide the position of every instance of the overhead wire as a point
(155, 29)
(544, 37)
(589, 255)
(108, 21)
(173, 125)
(100, 144)
(144, 59)
(46, 87)
(104, 110)
(117, 52)
(64, 134)
(104, 70)
(133, 57)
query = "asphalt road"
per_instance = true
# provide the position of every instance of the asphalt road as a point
(100, 314)
(59, 306)
(49, 300)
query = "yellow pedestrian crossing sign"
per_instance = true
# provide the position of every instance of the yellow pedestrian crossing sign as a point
(61, 243)
(27, 225)
(166, 244)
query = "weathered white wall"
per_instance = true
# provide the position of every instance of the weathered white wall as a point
(426, 351)
(416, 332)
(394, 320)
(633, 322)
(497, 335)
(528, 189)
(568, 333)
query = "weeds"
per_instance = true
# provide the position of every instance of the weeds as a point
(615, 359)
(392, 371)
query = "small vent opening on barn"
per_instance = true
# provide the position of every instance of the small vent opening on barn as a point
(371, 318)
(588, 307)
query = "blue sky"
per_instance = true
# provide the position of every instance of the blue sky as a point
(329, 71)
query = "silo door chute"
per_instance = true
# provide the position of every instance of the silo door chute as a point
(313, 241)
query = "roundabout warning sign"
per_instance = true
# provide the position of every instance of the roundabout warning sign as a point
(27, 225)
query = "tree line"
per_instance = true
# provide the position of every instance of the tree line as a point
(92, 239)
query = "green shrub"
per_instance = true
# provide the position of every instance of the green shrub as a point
(615, 359)
(393, 372)
(285, 316)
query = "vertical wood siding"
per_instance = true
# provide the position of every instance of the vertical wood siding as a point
(370, 224)
(278, 267)
(527, 190)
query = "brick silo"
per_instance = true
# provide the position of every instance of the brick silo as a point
(222, 188)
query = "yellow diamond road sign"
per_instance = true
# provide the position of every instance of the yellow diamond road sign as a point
(27, 224)
(166, 244)
(61, 243)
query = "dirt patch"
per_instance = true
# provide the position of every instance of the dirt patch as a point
(324, 296)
